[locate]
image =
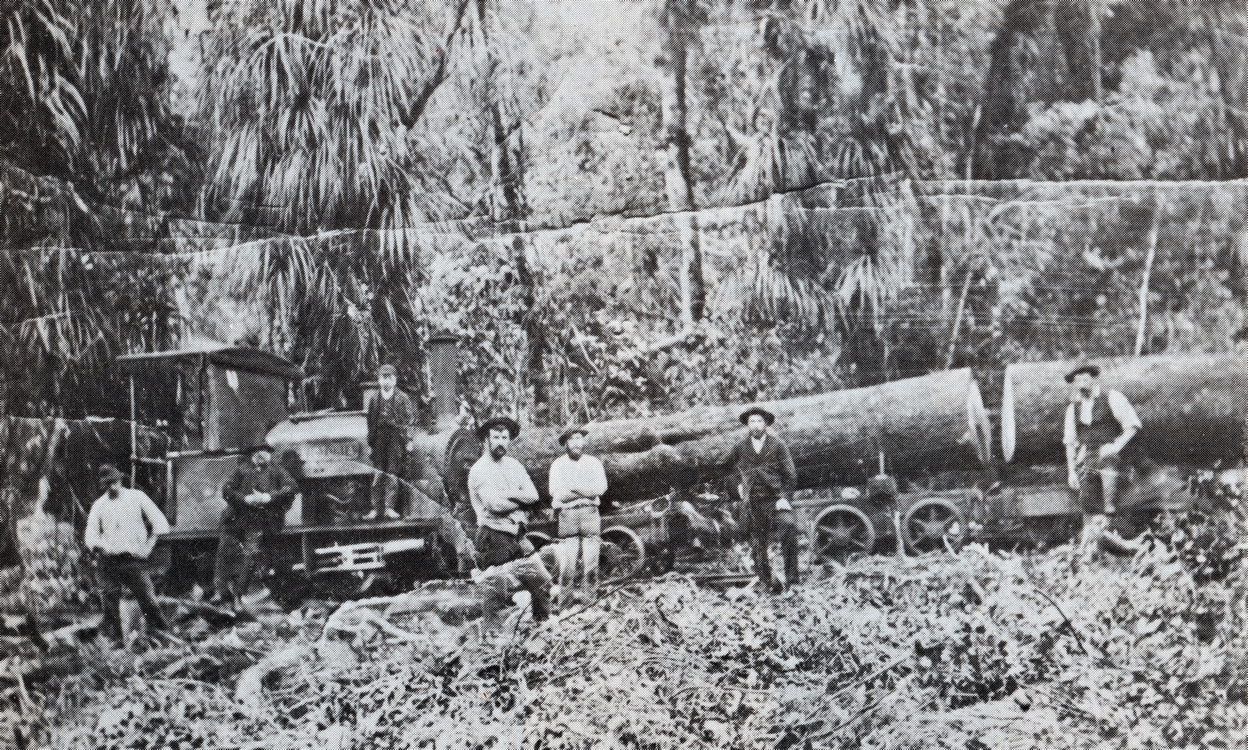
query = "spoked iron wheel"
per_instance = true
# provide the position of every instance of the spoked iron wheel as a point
(933, 524)
(623, 554)
(841, 531)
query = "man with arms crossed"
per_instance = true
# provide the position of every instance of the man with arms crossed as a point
(577, 483)
(501, 490)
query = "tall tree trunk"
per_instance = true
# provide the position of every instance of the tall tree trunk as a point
(677, 176)
(509, 214)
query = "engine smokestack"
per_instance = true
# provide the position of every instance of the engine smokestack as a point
(443, 357)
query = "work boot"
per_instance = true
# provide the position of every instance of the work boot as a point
(369, 516)
(392, 514)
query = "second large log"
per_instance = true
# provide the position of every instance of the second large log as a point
(929, 423)
(1192, 406)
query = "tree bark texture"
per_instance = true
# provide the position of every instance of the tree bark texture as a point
(1192, 406)
(934, 422)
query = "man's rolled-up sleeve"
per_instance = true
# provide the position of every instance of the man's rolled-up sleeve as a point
(1069, 435)
(1124, 412)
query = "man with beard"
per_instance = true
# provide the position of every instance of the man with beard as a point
(767, 475)
(389, 415)
(577, 482)
(1099, 427)
(259, 494)
(122, 528)
(501, 491)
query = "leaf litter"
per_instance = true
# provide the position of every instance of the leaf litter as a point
(978, 650)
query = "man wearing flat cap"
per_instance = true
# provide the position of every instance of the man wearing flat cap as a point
(259, 493)
(389, 416)
(1099, 426)
(122, 529)
(767, 476)
(577, 483)
(501, 492)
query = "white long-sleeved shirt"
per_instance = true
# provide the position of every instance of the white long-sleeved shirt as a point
(492, 485)
(119, 525)
(570, 481)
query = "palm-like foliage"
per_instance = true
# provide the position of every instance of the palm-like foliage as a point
(89, 151)
(353, 127)
(309, 104)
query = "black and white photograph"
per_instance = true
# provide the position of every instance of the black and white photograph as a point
(623, 374)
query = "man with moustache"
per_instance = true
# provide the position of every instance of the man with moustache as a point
(767, 475)
(1099, 427)
(122, 529)
(501, 492)
(577, 483)
(259, 493)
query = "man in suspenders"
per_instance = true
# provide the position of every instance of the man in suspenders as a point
(1099, 426)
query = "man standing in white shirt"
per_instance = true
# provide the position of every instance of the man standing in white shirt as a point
(577, 483)
(122, 528)
(1099, 426)
(501, 491)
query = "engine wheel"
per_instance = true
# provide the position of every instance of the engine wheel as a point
(931, 523)
(623, 554)
(841, 531)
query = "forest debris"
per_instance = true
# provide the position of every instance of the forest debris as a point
(249, 689)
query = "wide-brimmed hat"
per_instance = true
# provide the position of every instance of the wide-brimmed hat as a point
(1088, 367)
(387, 369)
(109, 473)
(513, 427)
(767, 416)
(573, 430)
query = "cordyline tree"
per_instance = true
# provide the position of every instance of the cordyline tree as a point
(90, 151)
(352, 128)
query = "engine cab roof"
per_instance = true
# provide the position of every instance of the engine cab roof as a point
(231, 357)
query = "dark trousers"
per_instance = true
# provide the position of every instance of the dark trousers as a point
(496, 547)
(118, 572)
(242, 554)
(388, 459)
(767, 523)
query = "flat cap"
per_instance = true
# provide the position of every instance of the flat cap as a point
(387, 369)
(110, 473)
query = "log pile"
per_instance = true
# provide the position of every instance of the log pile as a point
(1192, 407)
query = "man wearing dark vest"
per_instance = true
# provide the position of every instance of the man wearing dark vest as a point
(1099, 426)
(390, 413)
(767, 476)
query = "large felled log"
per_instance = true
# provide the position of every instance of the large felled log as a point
(928, 423)
(1192, 406)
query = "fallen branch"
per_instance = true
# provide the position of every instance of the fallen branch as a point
(249, 690)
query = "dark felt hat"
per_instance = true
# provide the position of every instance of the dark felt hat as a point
(1088, 367)
(767, 416)
(574, 429)
(513, 428)
(110, 473)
